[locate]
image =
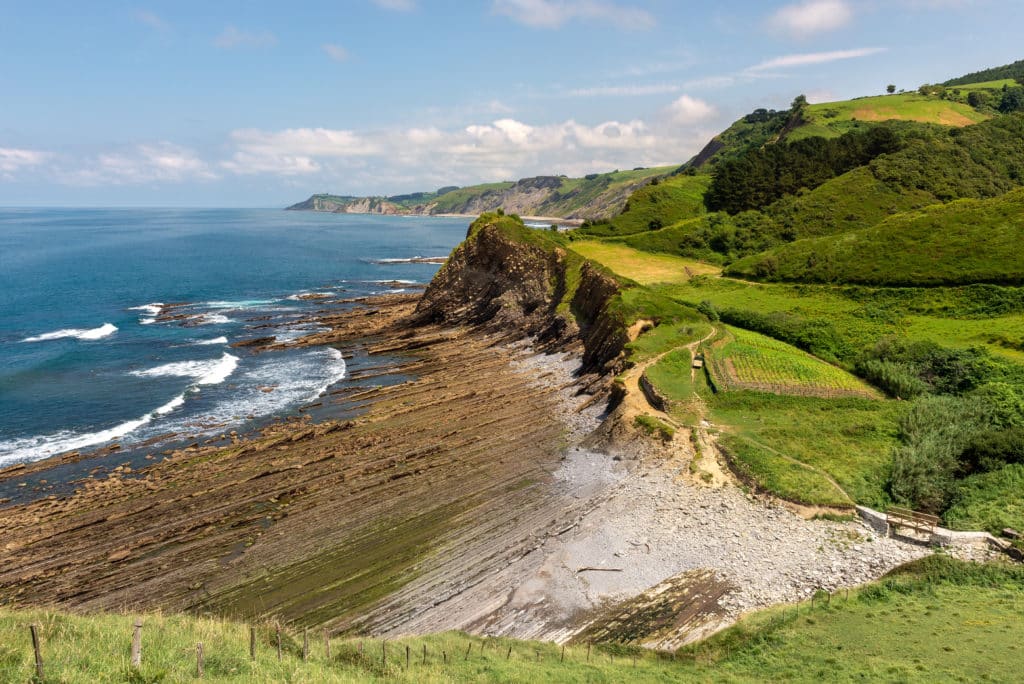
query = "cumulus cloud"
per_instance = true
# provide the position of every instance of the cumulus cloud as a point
(158, 162)
(550, 14)
(686, 111)
(505, 148)
(233, 37)
(336, 52)
(809, 58)
(811, 17)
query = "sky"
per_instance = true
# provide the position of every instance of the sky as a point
(260, 104)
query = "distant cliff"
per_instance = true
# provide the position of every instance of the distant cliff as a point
(593, 197)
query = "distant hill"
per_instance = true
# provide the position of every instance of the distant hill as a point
(594, 196)
(960, 243)
(1013, 71)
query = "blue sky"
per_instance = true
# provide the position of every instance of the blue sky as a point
(263, 103)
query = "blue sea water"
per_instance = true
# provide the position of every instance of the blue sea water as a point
(84, 363)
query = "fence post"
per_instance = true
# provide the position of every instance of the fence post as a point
(588, 650)
(468, 649)
(305, 643)
(199, 660)
(508, 656)
(252, 643)
(279, 642)
(327, 644)
(444, 657)
(137, 645)
(384, 653)
(407, 655)
(35, 647)
(424, 654)
(563, 653)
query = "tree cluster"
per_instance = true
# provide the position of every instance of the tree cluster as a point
(761, 176)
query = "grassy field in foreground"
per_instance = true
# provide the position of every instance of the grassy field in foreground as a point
(936, 620)
(642, 267)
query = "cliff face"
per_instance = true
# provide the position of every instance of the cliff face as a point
(595, 196)
(503, 283)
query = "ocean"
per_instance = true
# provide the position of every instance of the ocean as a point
(85, 362)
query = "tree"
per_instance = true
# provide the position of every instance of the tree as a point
(890, 89)
(1012, 100)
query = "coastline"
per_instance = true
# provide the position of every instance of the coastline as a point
(471, 518)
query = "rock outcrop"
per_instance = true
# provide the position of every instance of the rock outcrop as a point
(522, 289)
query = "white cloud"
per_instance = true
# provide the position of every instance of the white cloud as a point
(809, 58)
(505, 148)
(626, 91)
(686, 111)
(550, 14)
(396, 5)
(13, 159)
(811, 17)
(336, 52)
(157, 162)
(234, 37)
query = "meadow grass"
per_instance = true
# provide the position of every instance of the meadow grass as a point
(898, 107)
(749, 359)
(934, 620)
(770, 471)
(850, 439)
(641, 267)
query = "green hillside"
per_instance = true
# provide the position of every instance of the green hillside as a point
(1013, 71)
(963, 242)
(831, 119)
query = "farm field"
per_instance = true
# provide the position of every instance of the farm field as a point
(749, 360)
(831, 119)
(642, 267)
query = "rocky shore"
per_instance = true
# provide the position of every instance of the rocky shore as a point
(480, 484)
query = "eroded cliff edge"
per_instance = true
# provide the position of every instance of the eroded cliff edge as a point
(517, 282)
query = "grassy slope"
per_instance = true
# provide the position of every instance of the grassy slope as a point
(760, 360)
(656, 205)
(832, 119)
(968, 241)
(936, 620)
(641, 267)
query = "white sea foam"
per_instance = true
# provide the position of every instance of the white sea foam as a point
(239, 304)
(207, 372)
(105, 330)
(211, 319)
(409, 260)
(35, 448)
(147, 321)
(152, 309)
(215, 340)
(396, 280)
